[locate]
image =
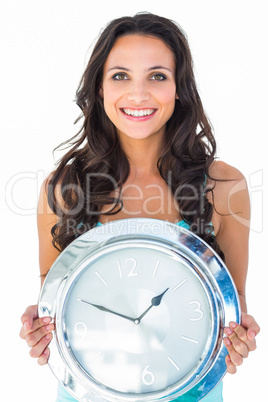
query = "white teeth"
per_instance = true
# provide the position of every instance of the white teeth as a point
(138, 113)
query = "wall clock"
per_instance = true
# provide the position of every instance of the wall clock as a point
(140, 306)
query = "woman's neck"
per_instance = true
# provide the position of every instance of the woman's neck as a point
(142, 154)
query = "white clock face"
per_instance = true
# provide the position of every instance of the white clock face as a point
(137, 319)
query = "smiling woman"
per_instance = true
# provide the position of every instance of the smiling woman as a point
(146, 149)
(144, 90)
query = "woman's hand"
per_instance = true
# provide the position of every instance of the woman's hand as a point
(239, 341)
(38, 333)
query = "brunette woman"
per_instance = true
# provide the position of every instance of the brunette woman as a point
(146, 149)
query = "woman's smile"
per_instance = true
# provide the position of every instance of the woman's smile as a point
(138, 114)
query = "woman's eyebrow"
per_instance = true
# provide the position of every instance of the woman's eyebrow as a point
(159, 68)
(149, 69)
(118, 68)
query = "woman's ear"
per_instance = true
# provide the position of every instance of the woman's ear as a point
(177, 96)
(101, 92)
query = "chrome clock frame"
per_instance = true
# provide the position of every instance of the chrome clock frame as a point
(170, 238)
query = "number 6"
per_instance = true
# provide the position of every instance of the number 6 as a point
(150, 376)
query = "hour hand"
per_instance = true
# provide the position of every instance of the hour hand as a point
(154, 302)
(107, 310)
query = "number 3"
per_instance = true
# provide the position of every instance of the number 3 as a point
(197, 310)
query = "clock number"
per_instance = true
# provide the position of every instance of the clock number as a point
(197, 310)
(148, 378)
(80, 329)
(133, 265)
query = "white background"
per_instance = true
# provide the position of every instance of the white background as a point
(44, 48)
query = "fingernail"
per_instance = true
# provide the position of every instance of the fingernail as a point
(46, 320)
(49, 336)
(233, 324)
(26, 325)
(227, 342)
(228, 331)
(252, 335)
(50, 327)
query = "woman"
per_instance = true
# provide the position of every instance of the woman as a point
(146, 149)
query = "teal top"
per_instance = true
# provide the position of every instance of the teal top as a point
(181, 223)
(214, 396)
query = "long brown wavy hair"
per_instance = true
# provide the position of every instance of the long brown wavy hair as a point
(95, 165)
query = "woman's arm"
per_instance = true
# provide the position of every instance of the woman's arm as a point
(46, 219)
(232, 224)
(38, 331)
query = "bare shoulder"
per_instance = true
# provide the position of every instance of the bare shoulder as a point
(220, 170)
(43, 194)
(230, 192)
(45, 188)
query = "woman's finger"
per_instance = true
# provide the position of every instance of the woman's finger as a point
(238, 337)
(27, 319)
(230, 367)
(34, 338)
(38, 349)
(249, 323)
(235, 357)
(243, 334)
(43, 359)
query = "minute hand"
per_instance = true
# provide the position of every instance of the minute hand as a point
(102, 308)
(154, 302)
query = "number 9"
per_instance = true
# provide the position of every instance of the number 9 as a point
(80, 329)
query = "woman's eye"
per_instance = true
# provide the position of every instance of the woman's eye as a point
(158, 77)
(120, 77)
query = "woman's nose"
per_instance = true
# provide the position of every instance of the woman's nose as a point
(138, 93)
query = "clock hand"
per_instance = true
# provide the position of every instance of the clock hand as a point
(154, 302)
(102, 308)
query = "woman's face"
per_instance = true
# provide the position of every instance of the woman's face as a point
(138, 87)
